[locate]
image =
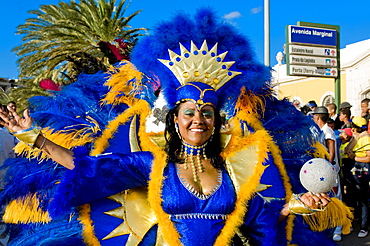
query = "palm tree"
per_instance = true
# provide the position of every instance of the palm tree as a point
(69, 38)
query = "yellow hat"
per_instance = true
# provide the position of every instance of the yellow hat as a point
(359, 121)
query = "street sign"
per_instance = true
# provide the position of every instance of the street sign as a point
(312, 60)
(329, 72)
(309, 35)
(314, 51)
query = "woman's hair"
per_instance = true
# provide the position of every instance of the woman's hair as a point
(358, 129)
(173, 141)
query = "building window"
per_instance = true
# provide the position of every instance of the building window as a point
(327, 100)
(366, 94)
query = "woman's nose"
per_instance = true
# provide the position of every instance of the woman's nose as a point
(198, 118)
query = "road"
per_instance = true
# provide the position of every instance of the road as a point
(353, 240)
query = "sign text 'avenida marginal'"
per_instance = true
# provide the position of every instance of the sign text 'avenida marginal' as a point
(315, 36)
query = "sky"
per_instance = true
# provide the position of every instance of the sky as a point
(247, 15)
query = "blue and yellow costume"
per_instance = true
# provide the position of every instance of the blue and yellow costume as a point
(124, 160)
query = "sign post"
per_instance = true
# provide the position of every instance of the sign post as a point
(313, 50)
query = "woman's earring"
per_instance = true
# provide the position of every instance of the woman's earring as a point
(213, 132)
(177, 130)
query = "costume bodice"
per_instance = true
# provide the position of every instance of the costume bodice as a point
(198, 219)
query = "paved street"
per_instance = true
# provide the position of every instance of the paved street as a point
(353, 240)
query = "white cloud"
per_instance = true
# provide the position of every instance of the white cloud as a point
(256, 10)
(232, 15)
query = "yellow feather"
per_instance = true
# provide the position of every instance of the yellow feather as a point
(336, 214)
(25, 210)
(123, 85)
(67, 138)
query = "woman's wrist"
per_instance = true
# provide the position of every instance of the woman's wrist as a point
(296, 206)
(28, 136)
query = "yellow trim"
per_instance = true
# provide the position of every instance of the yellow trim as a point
(88, 228)
(255, 123)
(248, 189)
(171, 235)
(140, 108)
(235, 219)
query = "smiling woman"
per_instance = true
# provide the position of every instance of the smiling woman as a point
(202, 187)
(195, 126)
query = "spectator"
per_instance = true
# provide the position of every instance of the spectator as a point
(332, 108)
(365, 111)
(7, 143)
(365, 108)
(345, 116)
(13, 105)
(359, 150)
(305, 109)
(346, 163)
(321, 115)
(312, 105)
(345, 105)
(328, 139)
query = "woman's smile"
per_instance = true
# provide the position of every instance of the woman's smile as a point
(195, 125)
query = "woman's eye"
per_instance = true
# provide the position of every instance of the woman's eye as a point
(207, 114)
(189, 112)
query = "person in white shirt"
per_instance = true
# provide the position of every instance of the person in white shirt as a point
(328, 139)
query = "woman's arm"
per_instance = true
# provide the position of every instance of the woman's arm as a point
(17, 124)
(56, 152)
(331, 149)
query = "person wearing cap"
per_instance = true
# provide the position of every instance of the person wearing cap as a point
(361, 170)
(345, 105)
(327, 138)
(312, 105)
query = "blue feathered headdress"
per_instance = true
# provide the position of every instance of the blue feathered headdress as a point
(183, 33)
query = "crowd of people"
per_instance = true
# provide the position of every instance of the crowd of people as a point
(347, 140)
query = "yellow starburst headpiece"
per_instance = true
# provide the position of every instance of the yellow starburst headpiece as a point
(201, 72)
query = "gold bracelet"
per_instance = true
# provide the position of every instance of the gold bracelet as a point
(296, 206)
(28, 136)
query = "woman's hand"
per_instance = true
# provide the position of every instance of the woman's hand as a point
(13, 121)
(308, 200)
(315, 201)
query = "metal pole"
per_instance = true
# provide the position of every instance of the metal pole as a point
(338, 90)
(267, 32)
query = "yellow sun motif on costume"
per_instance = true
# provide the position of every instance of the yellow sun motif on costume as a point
(136, 214)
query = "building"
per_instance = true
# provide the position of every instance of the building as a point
(355, 80)
(6, 84)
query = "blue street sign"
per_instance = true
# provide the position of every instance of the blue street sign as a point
(309, 35)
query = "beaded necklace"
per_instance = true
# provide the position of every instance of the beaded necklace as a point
(190, 153)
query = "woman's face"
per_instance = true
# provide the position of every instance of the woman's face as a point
(195, 126)
(341, 116)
